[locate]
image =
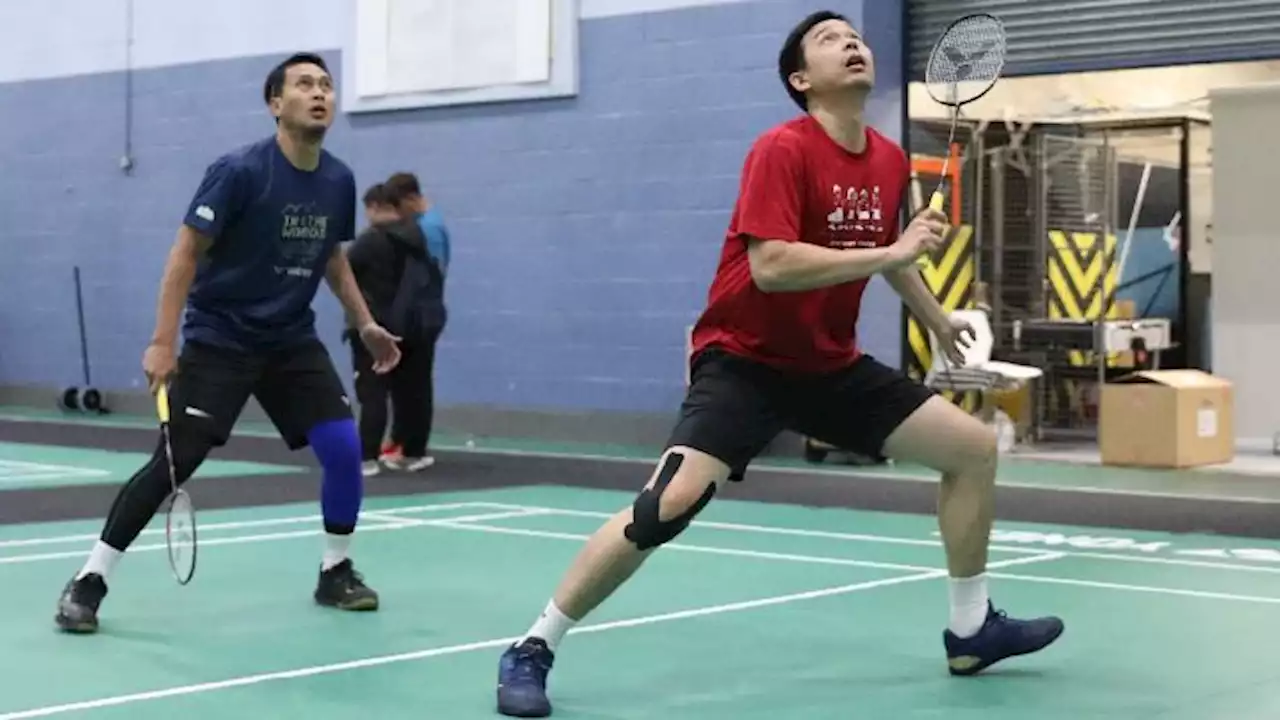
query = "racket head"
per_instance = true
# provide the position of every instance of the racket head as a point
(966, 60)
(180, 536)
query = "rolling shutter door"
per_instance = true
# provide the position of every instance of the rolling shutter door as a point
(1056, 36)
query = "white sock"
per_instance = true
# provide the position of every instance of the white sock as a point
(552, 626)
(335, 549)
(968, 604)
(102, 560)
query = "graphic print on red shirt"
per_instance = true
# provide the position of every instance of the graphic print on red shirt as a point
(798, 185)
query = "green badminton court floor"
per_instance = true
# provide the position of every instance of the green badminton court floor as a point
(758, 611)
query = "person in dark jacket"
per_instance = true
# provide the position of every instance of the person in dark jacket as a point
(380, 258)
(406, 192)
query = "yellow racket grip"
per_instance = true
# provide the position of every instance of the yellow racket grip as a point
(162, 403)
(935, 203)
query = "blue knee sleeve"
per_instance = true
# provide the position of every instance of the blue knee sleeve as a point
(337, 447)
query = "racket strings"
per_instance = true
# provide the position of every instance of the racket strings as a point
(182, 525)
(966, 60)
(181, 536)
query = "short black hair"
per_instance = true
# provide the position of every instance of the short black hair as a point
(378, 194)
(791, 57)
(402, 185)
(274, 84)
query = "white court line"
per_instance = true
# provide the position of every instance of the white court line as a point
(474, 523)
(388, 519)
(764, 529)
(16, 471)
(476, 526)
(386, 515)
(14, 479)
(15, 475)
(467, 647)
(243, 539)
(266, 522)
(884, 539)
(683, 547)
(46, 468)
(1174, 561)
(1139, 588)
(393, 521)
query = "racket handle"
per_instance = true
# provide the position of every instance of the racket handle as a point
(936, 202)
(162, 403)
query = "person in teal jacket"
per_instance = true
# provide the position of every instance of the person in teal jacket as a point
(411, 203)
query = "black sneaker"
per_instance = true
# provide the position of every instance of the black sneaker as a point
(78, 606)
(342, 587)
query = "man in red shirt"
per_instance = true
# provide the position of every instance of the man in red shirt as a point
(776, 349)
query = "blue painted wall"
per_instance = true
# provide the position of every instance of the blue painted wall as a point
(586, 230)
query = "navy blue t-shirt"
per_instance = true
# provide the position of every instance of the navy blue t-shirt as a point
(274, 228)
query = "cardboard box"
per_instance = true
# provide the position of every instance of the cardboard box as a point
(1167, 418)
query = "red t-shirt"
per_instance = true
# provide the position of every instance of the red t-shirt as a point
(798, 185)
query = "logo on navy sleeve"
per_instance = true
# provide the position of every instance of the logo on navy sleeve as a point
(304, 233)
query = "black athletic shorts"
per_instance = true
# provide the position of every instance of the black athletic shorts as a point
(298, 388)
(735, 406)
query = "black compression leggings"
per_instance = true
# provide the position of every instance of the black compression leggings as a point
(141, 497)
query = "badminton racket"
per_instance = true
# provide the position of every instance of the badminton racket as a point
(180, 517)
(964, 64)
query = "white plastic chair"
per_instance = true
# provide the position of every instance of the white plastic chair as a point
(979, 371)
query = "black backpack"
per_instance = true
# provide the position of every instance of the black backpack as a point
(417, 313)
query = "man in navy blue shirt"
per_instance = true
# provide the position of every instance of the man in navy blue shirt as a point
(264, 226)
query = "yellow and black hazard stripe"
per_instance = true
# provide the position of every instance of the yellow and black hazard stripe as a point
(1082, 275)
(949, 275)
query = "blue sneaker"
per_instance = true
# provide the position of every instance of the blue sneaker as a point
(522, 679)
(1000, 637)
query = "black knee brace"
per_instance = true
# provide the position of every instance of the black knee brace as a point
(647, 529)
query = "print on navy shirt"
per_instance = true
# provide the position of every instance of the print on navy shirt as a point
(274, 228)
(304, 231)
